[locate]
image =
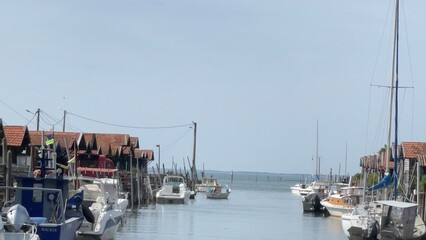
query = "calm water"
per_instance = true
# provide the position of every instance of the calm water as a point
(259, 207)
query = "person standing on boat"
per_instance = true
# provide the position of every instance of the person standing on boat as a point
(317, 203)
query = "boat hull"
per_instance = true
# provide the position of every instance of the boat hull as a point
(20, 236)
(174, 191)
(108, 232)
(312, 207)
(65, 231)
(336, 210)
(217, 195)
(172, 200)
(312, 202)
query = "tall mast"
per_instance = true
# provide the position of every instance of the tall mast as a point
(393, 87)
(395, 76)
(318, 167)
(346, 158)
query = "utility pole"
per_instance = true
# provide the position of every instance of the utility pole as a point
(131, 177)
(38, 118)
(159, 163)
(63, 126)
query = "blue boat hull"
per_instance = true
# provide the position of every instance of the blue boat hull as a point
(65, 231)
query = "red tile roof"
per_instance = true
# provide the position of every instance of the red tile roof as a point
(110, 143)
(146, 154)
(60, 137)
(15, 135)
(413, 149)
(134, 141)
(91, 141)
(376, 161)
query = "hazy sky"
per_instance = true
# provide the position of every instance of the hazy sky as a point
(255, 75)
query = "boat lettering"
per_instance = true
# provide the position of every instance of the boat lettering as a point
(49, 229)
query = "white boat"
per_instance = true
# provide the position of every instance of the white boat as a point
(102, 207)
(319, 191)
(304, 189)
(111, 186)
(362, 216)
(18, 225)
(218, 192)
(312, 201)
(301, 189)
(344, 202)
(206, 183)
(174, 190)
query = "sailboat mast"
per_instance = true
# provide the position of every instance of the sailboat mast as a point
(395, 76)
(393, 88)
(318, 169)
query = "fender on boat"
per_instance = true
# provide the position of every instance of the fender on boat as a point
(88, 214)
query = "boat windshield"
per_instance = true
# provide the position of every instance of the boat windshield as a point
(173, 180)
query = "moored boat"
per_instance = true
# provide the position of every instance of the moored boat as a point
(319, 191)
(344, 202)
(173, 191)
(45, 196)
(388, 219)
(103, 209)
(206, 183)
(301, 189)
(312, 201)
(218, 192)
(46, 206)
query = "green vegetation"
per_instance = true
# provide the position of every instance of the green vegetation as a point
(372, 178)
(423, 180)
(356, 178)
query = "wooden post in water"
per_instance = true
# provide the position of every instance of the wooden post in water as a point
(194, 169)
(232, 176)
(190, 167)
(131, 179)
(184, 167)
(138, 181)
(155, 178)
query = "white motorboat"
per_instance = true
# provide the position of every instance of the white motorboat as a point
(206, 183)
(111, 186)
(102, 208)
(312, 201)
(344, 202)
(218, 192)
(362, 216)
(174, 191)
(301, 189)
(319, 191)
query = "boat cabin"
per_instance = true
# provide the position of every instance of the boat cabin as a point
(398, 218)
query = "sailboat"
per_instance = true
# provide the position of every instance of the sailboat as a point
(303, 189)
(387, 219)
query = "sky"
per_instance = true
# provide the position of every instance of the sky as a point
(256, 77)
